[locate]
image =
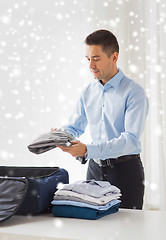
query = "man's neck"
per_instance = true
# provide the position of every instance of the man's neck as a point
(103, 81)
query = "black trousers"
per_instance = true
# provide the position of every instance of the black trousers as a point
(128, 176)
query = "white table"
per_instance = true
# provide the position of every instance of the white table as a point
(124, 225)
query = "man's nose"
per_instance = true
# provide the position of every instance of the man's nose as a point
(92, 64)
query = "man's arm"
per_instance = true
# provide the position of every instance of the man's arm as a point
(77, 122)
(76, 126)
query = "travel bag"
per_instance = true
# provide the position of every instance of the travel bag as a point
(28, 190)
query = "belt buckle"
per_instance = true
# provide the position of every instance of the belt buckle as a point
(108, 162)
(98, 161)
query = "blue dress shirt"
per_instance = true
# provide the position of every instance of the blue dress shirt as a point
(116, 114)
(112, 203)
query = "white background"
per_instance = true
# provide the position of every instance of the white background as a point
(43, 71)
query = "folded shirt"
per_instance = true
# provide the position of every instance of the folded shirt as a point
(49, 141)
(83, 204)
(61, 197)
(81, 212)
(91, 187)
(86, 198)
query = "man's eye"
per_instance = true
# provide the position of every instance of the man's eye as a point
(96, 59)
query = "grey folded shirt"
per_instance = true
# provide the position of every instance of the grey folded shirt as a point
(48, 141)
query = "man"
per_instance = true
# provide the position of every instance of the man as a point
(115, 107)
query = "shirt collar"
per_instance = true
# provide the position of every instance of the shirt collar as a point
(114, 82)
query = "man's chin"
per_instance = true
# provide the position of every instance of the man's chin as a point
(95, 77)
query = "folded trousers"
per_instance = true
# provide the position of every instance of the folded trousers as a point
(128, 176)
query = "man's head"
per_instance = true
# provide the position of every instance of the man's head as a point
(105, 39)
(102, 52)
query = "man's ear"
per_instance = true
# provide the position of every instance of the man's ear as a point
(115, 57)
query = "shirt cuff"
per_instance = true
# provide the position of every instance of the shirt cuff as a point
(93, 151)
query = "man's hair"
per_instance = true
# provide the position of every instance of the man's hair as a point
(106, 39)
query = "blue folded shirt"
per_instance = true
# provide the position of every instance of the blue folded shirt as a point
(87, 205)
(81, 212)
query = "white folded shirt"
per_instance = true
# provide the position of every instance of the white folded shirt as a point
(98, 200)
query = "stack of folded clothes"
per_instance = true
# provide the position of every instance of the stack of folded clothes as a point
(86, 200)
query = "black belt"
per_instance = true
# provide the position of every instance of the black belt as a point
(111, 161)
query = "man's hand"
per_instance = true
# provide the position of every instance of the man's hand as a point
(77, 149)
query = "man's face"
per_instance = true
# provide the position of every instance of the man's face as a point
(101, 66)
